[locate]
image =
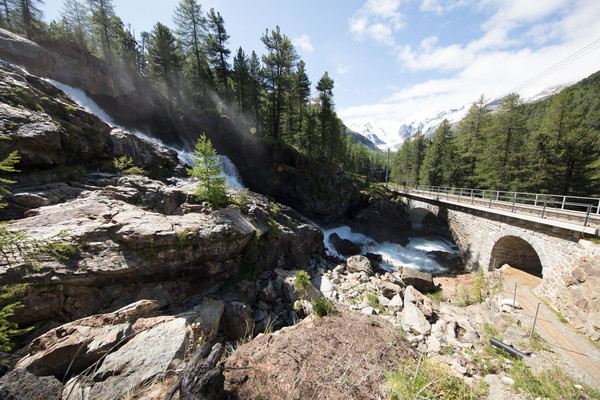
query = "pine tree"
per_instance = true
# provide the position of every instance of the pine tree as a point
(207, 168)
(503, 164)
(255, 88)
(327, 115)
(217, 51)
(28, 16)
(241, 80)
(192, 33)
(278, 62)
(470, 141)
(103, 19)
(163, 57)
(75, 16)
(563, 149)
(439, 165)
(6, 18)
(302, 89)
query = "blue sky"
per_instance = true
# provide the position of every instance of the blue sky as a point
(395, 61)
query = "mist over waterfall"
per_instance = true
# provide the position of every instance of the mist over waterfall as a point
(228, 168)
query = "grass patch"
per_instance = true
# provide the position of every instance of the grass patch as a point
(12, 293)
(59, 250)
(426, 379)
(560, 317)
(436, 296)
(373, 301)
(553, 383)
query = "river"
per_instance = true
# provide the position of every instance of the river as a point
(414, 255)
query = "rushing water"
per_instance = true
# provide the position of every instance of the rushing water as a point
(228, 170)
(414, 255)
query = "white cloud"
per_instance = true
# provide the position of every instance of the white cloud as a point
(517, 43)
(303, 42)
(438, 7)
(432, 6)
(377, 20)
(342, 70)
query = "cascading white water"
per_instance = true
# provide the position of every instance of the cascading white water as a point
(228, 168)
(414, 255)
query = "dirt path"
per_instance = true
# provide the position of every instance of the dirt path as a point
(581, 358)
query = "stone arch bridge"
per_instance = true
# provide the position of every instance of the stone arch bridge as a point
(489, 237)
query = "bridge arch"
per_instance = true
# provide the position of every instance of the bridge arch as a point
(518, 253)
(419, 216)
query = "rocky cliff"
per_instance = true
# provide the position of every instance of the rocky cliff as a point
(322, 193)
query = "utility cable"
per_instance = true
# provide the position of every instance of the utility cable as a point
(559, 65)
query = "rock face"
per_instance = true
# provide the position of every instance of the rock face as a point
(125, 244)
(578, 300)
(384, 221)
(323, 193)
(20, 384)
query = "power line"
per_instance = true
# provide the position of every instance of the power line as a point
(559, 65)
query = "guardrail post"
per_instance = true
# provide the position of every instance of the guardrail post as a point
(473, 198)
(598, 208)
(534, 319)
(544, 209)
(536, 200)
(587, 215)
(515, 297)
(490, 206)
(514, 201)
(563, 202)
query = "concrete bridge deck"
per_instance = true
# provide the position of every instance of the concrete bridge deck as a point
(577, 221)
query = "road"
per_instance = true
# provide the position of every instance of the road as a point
(580, 357)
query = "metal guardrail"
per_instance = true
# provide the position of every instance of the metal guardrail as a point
(542, 205)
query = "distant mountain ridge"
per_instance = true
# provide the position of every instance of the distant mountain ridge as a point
(382, 137)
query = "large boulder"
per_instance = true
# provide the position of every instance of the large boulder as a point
(237, 320)
(413, 320)
(422, 281)
(344, 246)
(359, 264)
(20, 384)
(159, 344)
(75, 346)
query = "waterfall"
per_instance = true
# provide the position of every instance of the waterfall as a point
(228, 168)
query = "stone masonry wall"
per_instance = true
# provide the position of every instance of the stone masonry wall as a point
(570, 264)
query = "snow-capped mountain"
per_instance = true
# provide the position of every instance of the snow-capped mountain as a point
(371, 131)
(389, 135)
(392, 134)
(428, 125)
(544, 94)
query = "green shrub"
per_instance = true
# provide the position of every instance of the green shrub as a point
(59, 250)
(479, 289)
(241, 199)
(436, 296)
(322, 307)
(125, 165)
(301, 282)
